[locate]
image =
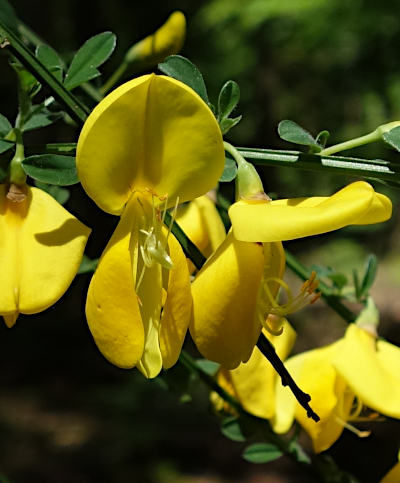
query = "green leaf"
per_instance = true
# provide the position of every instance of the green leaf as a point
(228, 99)
(300, 455)
(41, 119)
(5, 146)
(230, 170)
(5, 126)
(185, 71)
(8, 15)
(228, 123)
(49, 58)
(392, 137)
(322, 138)
(88, 265)
(261, 453)
(357, 288)
(92, 54)
(51, 169)
(207, 366)
(292, 132)
(369, 275)
(59, 194)
(231, 429)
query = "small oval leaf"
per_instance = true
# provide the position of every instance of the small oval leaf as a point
(180, 68)
(5, 126)
(392, 137)
(231, 429)
(92, 54)
(292, 132)
(51, 169)
(261, 453)
(230, 170)
(228, 99)
(50, 59)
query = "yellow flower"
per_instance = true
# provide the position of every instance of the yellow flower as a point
(253, 383)
(355, 371)
(41, 246)
(149, 145)
(393, 476)
(201, 222)
(167, 40)
(236, 289)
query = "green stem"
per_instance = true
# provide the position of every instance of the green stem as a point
(17, 174)
(115, 77)
(248, 182)
(332, 300)
(352, 143)
(13, 44)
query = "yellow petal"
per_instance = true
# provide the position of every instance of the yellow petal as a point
(41, 247)
(314, 373)
(112, 308)
(178, 306)
(202, 224)
(295, 218)
(224, 326)
(371, 370)
(152, 132)
(254, 381)
(393, 476)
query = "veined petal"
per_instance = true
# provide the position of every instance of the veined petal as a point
(371, 369)
(41, 247)
(112, 308)
(254, 381)
(224, 326)
(299, 217)
(152, 132)
(178, 306)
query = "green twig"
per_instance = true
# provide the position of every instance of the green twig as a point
(14, 45)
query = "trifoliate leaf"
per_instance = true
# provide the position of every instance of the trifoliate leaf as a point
(261, 453)
(51, 169)
(185, 71)
(92, 54)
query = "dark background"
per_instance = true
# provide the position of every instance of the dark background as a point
(65, 413)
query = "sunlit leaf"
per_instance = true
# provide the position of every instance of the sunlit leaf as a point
(91, 55)
(52, 169)
(185, 71)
